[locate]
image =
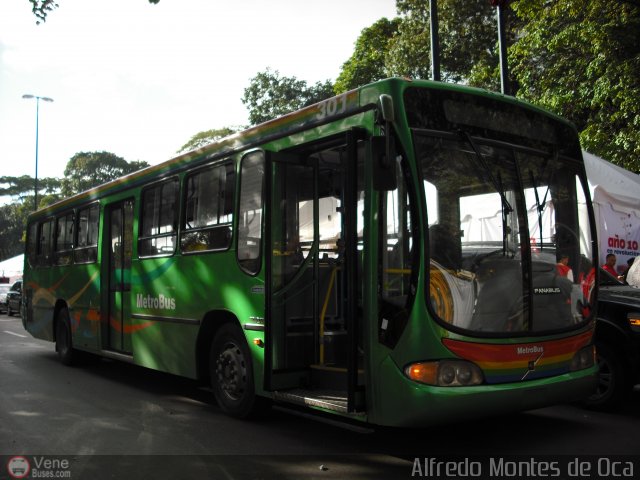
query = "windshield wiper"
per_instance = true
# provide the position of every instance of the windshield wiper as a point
(541, 206)
(496, 185)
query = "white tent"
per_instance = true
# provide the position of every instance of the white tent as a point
(616, 200)
(12, 268)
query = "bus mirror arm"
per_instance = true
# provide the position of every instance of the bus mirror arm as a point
(384, 174)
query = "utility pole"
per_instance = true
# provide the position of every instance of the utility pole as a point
(435, 40)
(501, 6)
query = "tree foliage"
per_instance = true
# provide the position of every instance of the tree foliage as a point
(42, 8)
(89, 169)
(13, 219)
(206, 137)
(578, 59)
(270, 95)
(367, 64)
(83, 171)
(582, 61)
(23, 187)
(468, 41)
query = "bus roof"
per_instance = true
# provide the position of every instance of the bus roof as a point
(354, 101)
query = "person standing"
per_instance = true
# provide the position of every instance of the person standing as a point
(610, 265)
(626, 272)
(564, 270)
(633, 274)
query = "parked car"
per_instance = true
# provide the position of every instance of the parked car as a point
(617, 339)
(4, 288)
(14, 298)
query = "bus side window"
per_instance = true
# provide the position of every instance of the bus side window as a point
(63, 239)
(32, 244)
(87, 225)
(159, 219)
(209, 197)
(250, 212)
(45, 243)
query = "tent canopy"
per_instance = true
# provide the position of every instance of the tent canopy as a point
(12, 267)
(610, 183)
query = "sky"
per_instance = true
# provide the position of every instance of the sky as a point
(138, 80)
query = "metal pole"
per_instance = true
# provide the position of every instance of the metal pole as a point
(35, 186)
(35, 196)
(435, 40)
(502, 41)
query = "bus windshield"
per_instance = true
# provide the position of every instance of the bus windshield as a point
(510, 248)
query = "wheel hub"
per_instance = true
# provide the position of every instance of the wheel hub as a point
(231, 371)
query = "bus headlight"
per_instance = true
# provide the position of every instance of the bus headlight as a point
(445, 373)
(584, 358)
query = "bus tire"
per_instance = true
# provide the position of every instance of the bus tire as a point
(231, 372)
(64, 345)
(612, 380)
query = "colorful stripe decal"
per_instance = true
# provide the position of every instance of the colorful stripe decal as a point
(521, 361)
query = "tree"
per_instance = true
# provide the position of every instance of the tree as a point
(269, 95)
(468, 41)
(89, 169)
(41, 8)
(13, 220)
(581, 60)
(206, 137)
(366, 64)
(22, 189)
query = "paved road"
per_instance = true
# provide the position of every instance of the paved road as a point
(112, 420)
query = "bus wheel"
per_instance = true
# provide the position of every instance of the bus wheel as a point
(232, 372)
(612, 381)
(63, 337)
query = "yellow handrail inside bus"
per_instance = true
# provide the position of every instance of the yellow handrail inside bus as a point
(324, 312)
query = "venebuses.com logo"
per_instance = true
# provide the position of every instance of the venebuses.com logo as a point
(18, 467)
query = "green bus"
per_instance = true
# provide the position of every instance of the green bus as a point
(388, 255)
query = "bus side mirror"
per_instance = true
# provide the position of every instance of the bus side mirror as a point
(385, 108)
(384, 166)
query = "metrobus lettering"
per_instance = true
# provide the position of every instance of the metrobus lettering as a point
(159, 303)
(529, 349)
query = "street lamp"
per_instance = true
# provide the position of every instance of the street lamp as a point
(44, 99)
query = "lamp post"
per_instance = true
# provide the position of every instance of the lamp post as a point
(44, 99)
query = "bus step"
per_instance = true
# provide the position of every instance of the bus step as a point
(332, 378)
(328, 399)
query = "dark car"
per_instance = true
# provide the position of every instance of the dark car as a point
(617, 340)
(4, 288)
(14, 298)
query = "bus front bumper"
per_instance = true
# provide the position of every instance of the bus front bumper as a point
(405, 403)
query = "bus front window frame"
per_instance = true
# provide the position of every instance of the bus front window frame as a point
(457, 287)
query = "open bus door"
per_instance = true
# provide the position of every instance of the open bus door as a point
(313, 300)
